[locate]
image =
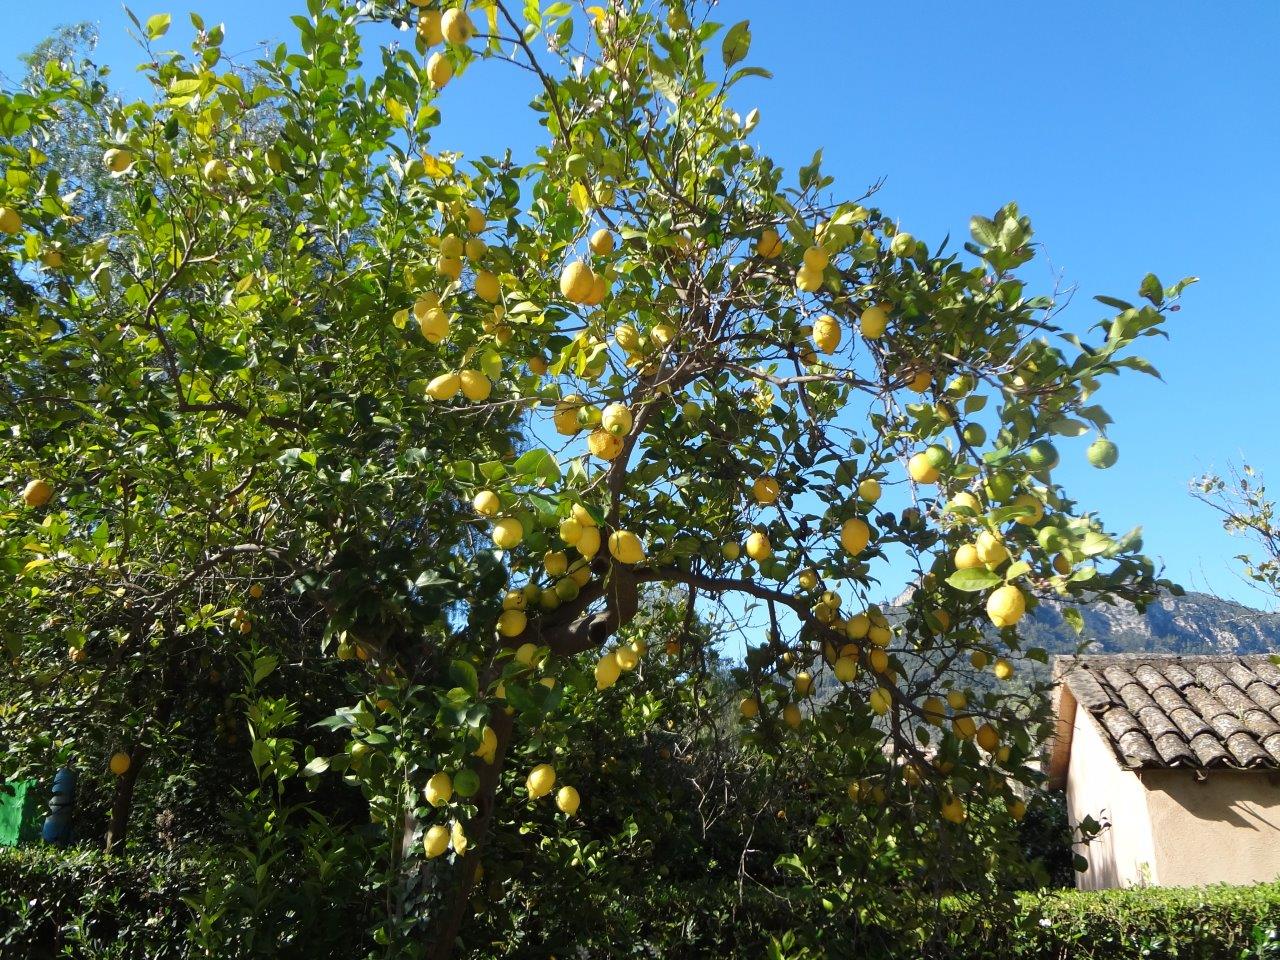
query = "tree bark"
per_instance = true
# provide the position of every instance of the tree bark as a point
(477, 833)
(122, 802)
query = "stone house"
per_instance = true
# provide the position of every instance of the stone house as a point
(1179, 757)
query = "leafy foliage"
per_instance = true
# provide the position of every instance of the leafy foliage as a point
(394, 582)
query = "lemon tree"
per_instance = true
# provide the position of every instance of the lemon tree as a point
(458, 414)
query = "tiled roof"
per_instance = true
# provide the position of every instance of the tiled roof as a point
(1169, 711)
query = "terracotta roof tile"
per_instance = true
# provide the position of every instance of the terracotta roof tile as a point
(1169, 711)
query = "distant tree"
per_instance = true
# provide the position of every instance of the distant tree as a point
(1241, 500)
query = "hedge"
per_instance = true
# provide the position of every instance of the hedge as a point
(1188, 923)
(82, 904)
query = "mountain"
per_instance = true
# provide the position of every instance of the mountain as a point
(1190, 624)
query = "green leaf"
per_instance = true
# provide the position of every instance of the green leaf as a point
(464, 675)
(1075, 618)
(538, 463)
(263, 666)
(983, 231)
(1016, 570)
(158, 25)
(317, 766)
(737, 41)
(1151, 289)
(973, 580)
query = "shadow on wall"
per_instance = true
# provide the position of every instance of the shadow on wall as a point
(1238, 799)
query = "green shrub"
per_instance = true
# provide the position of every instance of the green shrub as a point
(1192, 923)
(82, 904)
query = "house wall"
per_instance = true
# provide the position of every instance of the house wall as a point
(1124, 854)
(1222, 829)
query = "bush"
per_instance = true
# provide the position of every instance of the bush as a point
(83, 904)
(1193, 923)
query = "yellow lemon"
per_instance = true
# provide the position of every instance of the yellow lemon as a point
(855, 535)
(567, 801)
(475, 385)
(1006, 605)
(37, 493)
(991, 549)
(439, 789)
(921, 469)
(919, 381)
(540, 780)
(117, 160)
(565, 415)
(869, 490)
(577, 282)
(749, 707)
(769, 246)
(512, 623)
(1003, 669)
(988, 737)
(429, 28)
(588, 541)
(934, 711)
(607, 671)
(456, 26)
(873, 322)
(487, 287)
(451, 246)
(967, 557)
(120, 763)
(791, 715)
(625, 547)
(475, 220)
(826, 333)
(486, 503)
(816, 259)
(435, 841)
(570, 530)
(555, 562)
(881, 700)
(808, 281)
(953, 810)
(507, 533)
(766, 490)
(616, 419)
(758, 547)
(845, 670)
(450, 267)
(434, 325)
(627, 337)
(803, 684)
(604, 444)
(444, 387)
(601, 242)
(10, 222)
(1035, 506)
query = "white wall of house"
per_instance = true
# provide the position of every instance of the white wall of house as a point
(1170, 827)
(1124, 855)
(1224, 828)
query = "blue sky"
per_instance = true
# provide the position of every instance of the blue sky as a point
(1138, 137)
